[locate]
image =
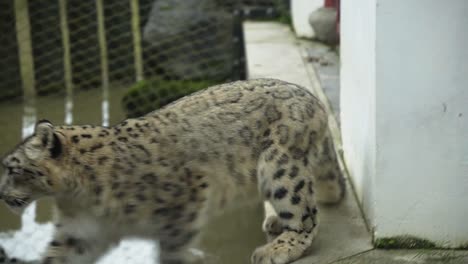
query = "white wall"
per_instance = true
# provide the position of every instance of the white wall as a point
(409, 154)
(301, 10)
(358, 96)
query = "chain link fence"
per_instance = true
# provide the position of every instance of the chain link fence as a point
(10, 78)
(122, 41)
(159, 49)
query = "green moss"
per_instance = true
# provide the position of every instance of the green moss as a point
(284, 11)
(403, 242)
(283, 14)
(149, 95)
(463, 246)
(285, 19)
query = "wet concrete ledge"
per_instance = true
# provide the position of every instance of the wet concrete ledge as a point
(343, 238)
(273, 51)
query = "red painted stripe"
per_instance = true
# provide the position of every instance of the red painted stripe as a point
(330, 3)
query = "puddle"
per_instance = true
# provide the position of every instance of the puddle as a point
(228, 239)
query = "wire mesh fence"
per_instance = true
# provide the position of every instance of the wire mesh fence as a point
(159, 49)
(171, 39)
(10, 78)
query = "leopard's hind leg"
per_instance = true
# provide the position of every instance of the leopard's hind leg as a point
(291, 178)
(329, 180)
(287, 183)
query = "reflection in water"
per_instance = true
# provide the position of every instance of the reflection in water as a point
(105, 107)
(68, 111)
(105, 113)
(229, 239)
(29, 119)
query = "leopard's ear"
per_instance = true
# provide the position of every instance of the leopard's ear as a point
(44, 142)
(44, 130)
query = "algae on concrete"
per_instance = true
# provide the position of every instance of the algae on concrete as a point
(408, 257)
(463, 246)
(404, 242)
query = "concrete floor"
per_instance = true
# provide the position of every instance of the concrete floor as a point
(273, 51)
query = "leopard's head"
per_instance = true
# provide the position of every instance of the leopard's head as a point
(33, 168)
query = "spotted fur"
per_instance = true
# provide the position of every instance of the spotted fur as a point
(162, 175)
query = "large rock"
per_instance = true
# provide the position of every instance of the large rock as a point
(169, 18)
(192, 39)
(323, 21)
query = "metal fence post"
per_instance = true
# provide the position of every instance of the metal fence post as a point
(104, 61)
(25, 53)
(137, 48)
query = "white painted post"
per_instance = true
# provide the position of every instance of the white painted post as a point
(404, 116)
(357, 99)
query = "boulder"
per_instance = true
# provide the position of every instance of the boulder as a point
(191, 39)
(323, 21)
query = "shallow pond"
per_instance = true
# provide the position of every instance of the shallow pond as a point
(228, 239)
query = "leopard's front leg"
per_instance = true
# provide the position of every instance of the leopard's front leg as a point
(70, 247)
(63, 249)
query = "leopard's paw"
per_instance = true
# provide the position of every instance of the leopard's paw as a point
(272, 227)
(283, 250)
(269, 254)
